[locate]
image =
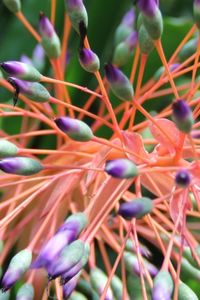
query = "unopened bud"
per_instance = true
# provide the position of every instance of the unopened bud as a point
(77, 296)
(186, 293)
(77, 13)
(151, 18)
(50, 40)
(196, 11)
(145, 41)
(7, 149)
(33, 90)
(117, 288)
(136, 208)
(119, 83)
(182, 116)
(26, 292)
(188, 49)
(132, 265)
(77, 130)
(13, 5)
(189, 270)
(126, 27)
(18, 265)
(162, 286)
(124, 50)
(21, 70)
(161, 70)
(144, 251)
(78, 267)
(183, 178)
(69, 287)
(65, 234)
(98, 280)
(20, 166)
(4, 295)
(70, 256)
(121, 168)
(89, 60)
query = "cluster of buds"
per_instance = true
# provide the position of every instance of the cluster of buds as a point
(131, 199)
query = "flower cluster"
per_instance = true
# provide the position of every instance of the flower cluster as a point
(100, 200)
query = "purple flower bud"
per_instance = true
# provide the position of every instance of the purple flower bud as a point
(26, 292)
(77, 130)
(148, 7)
(70, 256)
(145, 41)
(13, 5)
(125, 27)
(77, 13)
(45, 27)
(20, 165)
(19, 264)
(50, 40)
(66, 234)
(7, 149)
(183, 178)
(121, 168)
(38, 58)
(151, 18)
(124, 50)
(89, 60)
(26, 60)
(144, 251)
(136, 208)
(21, 70)
(132, 265)
(98, 281)
(75, 222)
(69, 287)
(119, 83)
(161, 70)
(78, 267)
(53, 248)
(129, 18)
(33, 90)
(182, 116)
(162, 286)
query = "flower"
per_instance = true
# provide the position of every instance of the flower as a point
(136, 208)
(20, 165)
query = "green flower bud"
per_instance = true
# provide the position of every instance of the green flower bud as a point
(119, 83)
(7, 149)
(26, 292)
(186, 293)
(20, 165)
(77, 296)
(77, 13)
(98, 280)
(145, 41)
(189, 270)
(196, 11)
(188, 49)
(4, 295)
(153, 24)
(50, 40)
(162, 286)
(117, 288)
(13, 5)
